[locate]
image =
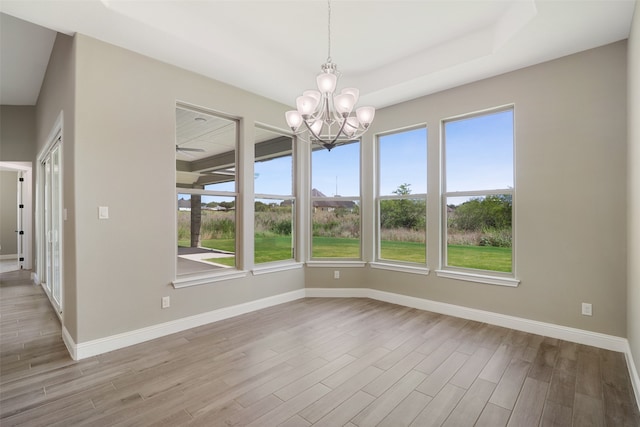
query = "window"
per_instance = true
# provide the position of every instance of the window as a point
(478, 192)
(206, 191)
(402, 196)
(274, 201)
(335, 198)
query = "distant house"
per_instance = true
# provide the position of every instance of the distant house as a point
(330, 205)
(184, 204)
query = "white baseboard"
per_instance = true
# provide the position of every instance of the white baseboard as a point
(633, 373)
(114, 342)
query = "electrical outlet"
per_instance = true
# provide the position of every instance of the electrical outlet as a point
(103, 212)
(587, 309)
(166, 302)
(336, 274)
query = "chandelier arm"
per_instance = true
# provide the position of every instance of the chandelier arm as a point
(313, 134)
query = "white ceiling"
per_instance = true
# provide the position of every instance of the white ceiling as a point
(391, 50)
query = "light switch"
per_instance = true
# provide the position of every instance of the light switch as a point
(103, 212)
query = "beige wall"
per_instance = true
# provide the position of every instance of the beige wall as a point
(119, 144)
(570, 121)
(633, 256)
(124, 151)
(17, 133)
(58, 96)
(17, 144)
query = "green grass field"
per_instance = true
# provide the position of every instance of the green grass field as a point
(278, 248)
(480, 257)
(403, 251)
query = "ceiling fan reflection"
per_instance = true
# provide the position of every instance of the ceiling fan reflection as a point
(187, 150)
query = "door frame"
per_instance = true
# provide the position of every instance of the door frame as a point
(26, 168)
(54, 139)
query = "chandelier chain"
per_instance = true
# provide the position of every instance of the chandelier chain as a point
(329, 31)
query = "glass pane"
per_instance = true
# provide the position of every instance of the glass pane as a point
(273, 168)
(336, 172)
(403, 162)
(273, 230)
(479, 232)
(479, 152)
(205, 151)
(47, 223)
(56, 226)
(336, 229)
(206, 233)
(403, 230)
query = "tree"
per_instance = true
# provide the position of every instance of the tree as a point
(402, 213)
(477, 214)
(261, 207)
(196, 220)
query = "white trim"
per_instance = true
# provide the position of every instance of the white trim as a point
(479, 278)
(114, 342)
(337, 292)
(9, 256)
(336, 263)
(52, 301)
(399, 267)
(633, 374)
(595, 339)
(273, 268)
(26, 168)
(205, 279)
(72, 347)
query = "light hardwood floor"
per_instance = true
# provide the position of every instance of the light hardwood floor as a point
(321, 362)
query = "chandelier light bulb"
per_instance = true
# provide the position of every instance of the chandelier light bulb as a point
(351, 126)
(327, 82)
(344, 103)
(316, 127)
(352, 91)
(365, 115)
(317, 96)
(306, 105)
(294, 119)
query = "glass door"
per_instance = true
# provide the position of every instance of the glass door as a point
(52, 225)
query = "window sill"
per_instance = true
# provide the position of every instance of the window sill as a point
(187, 281)
(272, 268)
(332, 263)
(400, 267)
(479, 278)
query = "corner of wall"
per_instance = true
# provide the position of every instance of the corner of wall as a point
(633, 212)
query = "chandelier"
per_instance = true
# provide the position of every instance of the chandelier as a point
(324, 117)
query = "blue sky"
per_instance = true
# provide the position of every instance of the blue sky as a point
(338, 168)
(403, 160)
(478, 152)
(274, 176)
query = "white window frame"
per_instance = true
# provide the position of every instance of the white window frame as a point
(281, 265)
(335, 262)
(390, 264)
(470, 274)
(196, 279)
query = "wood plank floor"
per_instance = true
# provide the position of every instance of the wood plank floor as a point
(316, 361)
